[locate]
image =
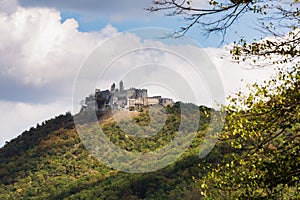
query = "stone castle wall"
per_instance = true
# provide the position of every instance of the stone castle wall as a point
(130, 99)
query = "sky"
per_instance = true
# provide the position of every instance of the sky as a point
(44, 44)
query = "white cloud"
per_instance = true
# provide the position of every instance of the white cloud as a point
(39, 56)
(8, 6)
(235, 76)
(37, 48)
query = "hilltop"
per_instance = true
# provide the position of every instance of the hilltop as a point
(50, 162)
(256, 155)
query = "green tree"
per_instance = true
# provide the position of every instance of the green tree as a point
(263, 132)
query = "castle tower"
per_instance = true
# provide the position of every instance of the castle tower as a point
(113, 87)
(121, 86)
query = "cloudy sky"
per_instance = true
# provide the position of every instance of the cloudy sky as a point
(43, 45)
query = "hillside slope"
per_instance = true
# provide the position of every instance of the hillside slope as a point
(50, 162)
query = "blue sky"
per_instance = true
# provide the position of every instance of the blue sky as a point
(131, 14)
(243, 28)
(43, 44)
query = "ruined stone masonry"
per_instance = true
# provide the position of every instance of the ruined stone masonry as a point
(121, 99)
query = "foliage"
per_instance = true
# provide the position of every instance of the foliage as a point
(263, 130)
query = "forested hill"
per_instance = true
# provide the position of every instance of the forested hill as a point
(256, 156)
(50, 162)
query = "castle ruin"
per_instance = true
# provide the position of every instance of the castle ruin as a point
(122, 99)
